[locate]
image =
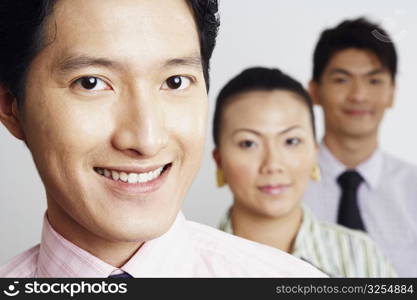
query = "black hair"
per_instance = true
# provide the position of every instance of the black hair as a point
(207, 19)
(258, 79)
(22, 37)
(357, 33)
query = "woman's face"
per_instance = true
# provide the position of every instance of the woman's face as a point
(266, 151)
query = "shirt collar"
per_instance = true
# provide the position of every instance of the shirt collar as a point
(300, 249)
(226, 222)
(227, 226)
(169, 255)
(306, 224)
(302, 244)
(370, 169)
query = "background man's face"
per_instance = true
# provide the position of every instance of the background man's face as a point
(354, 92)
(115, 116)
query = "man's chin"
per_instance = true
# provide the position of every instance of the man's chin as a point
(356, 130)
(360, 133)
(138, 232)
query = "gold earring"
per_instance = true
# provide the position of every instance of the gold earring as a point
(220, 178)
(315, 173)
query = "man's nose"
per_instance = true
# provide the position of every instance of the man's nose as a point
(140, 129)
(357, 92)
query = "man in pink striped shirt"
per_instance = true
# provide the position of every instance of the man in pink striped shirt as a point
(111, 99)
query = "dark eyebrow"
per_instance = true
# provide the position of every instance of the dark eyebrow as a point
(376, 72)
(340, 71)
(259, 134)
(246, 129)
(347, 73)
(290, 128)
(191, 61)
(76, 62)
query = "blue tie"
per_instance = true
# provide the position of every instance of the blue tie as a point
(349, 214)
(122, 275)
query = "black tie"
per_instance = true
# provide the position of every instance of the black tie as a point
(122, 275)
(349, 214)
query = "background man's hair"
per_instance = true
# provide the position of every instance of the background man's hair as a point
(357, 33)
(22, 37)
(258, 79)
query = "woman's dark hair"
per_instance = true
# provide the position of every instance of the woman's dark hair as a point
(258, 79)
(22, 37)
(360, 34)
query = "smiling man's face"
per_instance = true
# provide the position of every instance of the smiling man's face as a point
(354, 92)
(114, 115)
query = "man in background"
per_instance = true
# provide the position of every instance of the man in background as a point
(354, 73)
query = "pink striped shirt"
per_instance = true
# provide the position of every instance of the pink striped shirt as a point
(187, 249)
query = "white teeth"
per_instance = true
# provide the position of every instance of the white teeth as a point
(107, 173)
(123, 176)
(142, 177)
(115, 175)
(131, 177)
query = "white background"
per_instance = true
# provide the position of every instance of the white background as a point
(271, 33)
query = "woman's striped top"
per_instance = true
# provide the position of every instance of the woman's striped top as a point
(335, 250)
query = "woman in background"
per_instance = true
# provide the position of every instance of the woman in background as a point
(265, 150)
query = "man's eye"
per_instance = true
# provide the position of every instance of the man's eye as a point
(339, 80)
(176, 82)
(92, 84)
(375, 81)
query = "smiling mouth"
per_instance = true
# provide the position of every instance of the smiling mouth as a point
(274, 189)
(130, 177)
(357, 112)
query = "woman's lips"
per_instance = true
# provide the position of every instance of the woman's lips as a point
(276, 189)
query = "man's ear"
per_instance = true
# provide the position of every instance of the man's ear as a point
(313, 91)
(9, 113)
(216, 157)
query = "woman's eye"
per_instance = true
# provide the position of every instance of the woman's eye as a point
(247, 144)
(92, 84)
(176, 82)
(292, 141)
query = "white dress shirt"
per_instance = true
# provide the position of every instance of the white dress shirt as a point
(387, 200)
(187, 249)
